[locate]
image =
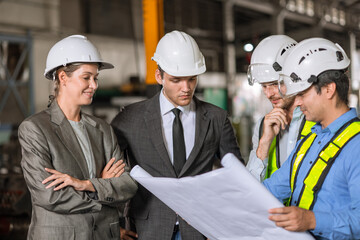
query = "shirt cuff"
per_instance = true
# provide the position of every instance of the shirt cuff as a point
(324, 223)
(265, 162)
(257, 168)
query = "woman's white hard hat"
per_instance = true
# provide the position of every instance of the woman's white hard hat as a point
(73, 49)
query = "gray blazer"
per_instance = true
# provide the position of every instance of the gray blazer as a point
(48, 141)
(139, 132)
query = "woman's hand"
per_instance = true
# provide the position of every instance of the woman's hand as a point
(127, 234)
(61, 180)
(113, 169)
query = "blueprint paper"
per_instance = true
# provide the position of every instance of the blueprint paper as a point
(224, 204)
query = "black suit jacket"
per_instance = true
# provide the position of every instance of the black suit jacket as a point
(139, 131)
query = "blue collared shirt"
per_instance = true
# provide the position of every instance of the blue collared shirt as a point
(337, 206)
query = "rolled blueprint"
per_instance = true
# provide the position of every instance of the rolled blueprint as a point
(225, 204)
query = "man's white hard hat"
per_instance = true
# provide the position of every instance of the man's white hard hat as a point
(307, 61)
(268, 58)
(178, 54)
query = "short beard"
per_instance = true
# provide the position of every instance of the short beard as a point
(288, 103)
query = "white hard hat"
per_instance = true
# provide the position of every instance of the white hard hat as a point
(307, 61)
(73, 49)
(268, 58)
(178, 55)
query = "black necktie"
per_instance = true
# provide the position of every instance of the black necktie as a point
(179, 152)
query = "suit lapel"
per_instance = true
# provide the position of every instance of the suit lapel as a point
(65, 132)
(201, 129)
(152, 119)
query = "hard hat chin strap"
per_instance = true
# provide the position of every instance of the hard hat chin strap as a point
(54, 75)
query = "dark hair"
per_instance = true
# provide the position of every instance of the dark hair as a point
(341, 80)
(161, 72)
(69, 69)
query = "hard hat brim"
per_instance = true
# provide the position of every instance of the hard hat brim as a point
(102, 65)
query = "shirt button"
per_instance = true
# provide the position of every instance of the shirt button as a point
(320, 233)
(310, 162)
(319, 142)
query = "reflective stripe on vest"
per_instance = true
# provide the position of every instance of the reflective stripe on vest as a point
(321, 167)
(306, 128)
(274, 151)
(273, 158)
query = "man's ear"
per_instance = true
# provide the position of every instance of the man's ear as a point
(330, 90)
(158, 76)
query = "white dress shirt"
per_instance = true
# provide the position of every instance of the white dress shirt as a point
(188, 120)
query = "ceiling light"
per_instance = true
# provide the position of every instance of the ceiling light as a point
(248, 47)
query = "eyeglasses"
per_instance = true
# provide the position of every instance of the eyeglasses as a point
(261, 73)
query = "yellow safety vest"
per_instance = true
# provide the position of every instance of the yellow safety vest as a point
(274, 151)
(321, 167)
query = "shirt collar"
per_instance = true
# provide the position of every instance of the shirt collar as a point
(166, 106)
(337, 124)
(297, 113)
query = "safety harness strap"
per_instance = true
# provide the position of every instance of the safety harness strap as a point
(323, 163)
